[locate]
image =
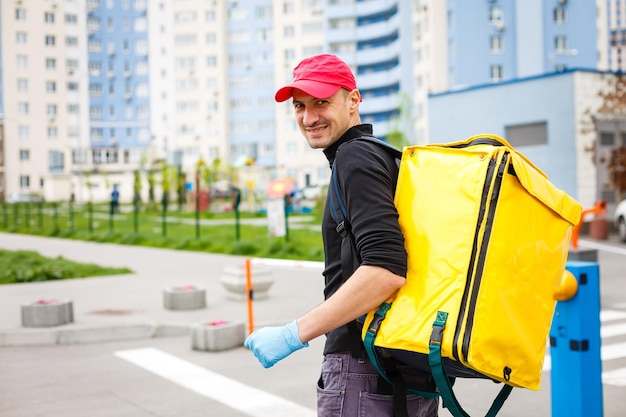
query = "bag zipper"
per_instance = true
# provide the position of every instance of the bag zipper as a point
(470, 269)
(483, 254)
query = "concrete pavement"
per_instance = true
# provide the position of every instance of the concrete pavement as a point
(131, 306)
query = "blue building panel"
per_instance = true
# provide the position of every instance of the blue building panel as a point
(119, 90)
(492, 108)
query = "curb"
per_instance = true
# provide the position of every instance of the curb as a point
(78, 334)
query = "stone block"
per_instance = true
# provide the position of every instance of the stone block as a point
(218, 335)
(47, 313)
(184, 298)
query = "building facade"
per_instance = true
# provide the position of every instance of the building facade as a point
(129, 84)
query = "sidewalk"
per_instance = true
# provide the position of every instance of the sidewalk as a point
(131, 306)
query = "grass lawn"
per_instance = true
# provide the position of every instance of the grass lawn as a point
(28, 266)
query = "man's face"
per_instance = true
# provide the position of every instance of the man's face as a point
(323, 121)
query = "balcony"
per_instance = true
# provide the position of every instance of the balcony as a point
(379, 78)
(379, 104)
(340, 10)
(382, 54)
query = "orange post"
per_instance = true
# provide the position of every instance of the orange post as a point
(599, 208)
(249, 296)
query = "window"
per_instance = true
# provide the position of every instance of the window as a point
(211, 38)
(51, 86)
(71, 41)
(96, 135)
(55, 161)
(496, 44)
(48, 17)
(20, 37)
(51, 63)
(288, 7)
(24, 155)
(527, 134)
(607, 138)
(95, 67)
(23, 132)
(24, 181)
(71, 64)
(560, 43)
(72, 108)
(22, 61)
(559, 15)
(49, 40)
(496, 73)
(22, 84)
(51, 110)
(71, 18)
(289, 31)
(20, 14)
(211, 61)
(22, 108)
(495, 15)
(94, 46)
(95, 90)
(72, 86)
(53, 132)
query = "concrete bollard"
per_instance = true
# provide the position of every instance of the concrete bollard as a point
(184, 298)
(217, 335)
(47, 313)
(233, 279)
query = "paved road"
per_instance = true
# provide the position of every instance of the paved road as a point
(151, 375)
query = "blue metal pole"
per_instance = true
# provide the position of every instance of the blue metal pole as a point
(576, 374)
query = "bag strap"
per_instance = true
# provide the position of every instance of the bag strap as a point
(350, 259)
(441, 378)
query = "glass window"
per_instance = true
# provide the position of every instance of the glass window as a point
(20, 37)
(20, 14)
(24, 154)
(22, 84)
(22, 61)
(23, 108)
(51, 63)
(48, 17)
(23, 131)
(49, 40)
(496, 73)
(51, 86)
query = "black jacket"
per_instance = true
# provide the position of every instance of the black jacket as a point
(367, 176)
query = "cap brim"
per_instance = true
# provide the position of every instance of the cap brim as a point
(313, 88)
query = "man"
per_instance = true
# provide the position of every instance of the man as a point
(326, 104)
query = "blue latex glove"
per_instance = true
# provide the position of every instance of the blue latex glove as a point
(272, 344)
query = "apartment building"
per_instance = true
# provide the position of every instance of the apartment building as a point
(127, 83)
(43, 94)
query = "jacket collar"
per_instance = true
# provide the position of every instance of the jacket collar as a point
(352, 133)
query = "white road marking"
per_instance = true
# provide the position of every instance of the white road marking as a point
(615, 377)
(602, 246)
(234, 394)
(608, 352)
(613, 330)
(608, 315)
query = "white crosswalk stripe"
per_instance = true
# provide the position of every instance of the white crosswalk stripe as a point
(249, 400)
(611, 348)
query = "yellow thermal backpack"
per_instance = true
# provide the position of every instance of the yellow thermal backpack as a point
(487, 237)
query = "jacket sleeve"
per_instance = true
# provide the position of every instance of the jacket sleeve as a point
(367, 176)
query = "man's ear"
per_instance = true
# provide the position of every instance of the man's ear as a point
(354, 98)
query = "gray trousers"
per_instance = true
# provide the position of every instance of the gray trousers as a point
(348, 388)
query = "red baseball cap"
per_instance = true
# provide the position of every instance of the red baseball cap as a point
(320, 76)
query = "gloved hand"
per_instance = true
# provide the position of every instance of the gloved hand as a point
(272, 344)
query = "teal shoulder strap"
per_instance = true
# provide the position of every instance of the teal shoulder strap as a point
(442, 380)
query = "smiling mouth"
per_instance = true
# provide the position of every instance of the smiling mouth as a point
(316, 129)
